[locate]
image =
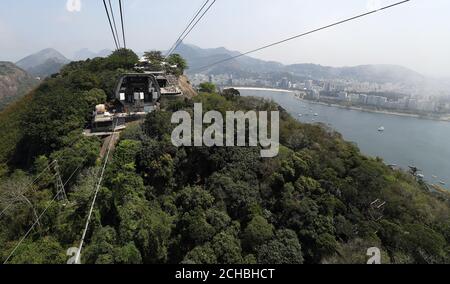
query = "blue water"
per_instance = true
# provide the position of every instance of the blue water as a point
(406, 140)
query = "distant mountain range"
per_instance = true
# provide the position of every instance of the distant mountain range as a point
(246, 66)
(198, 57)
(14, 83)
(362, 73)
(19, 78)
(49, 61)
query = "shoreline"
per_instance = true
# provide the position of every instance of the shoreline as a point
(430, 182)
(262, 89)
(402, 114)
(417, 116)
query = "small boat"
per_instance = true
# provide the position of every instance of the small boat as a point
(381, 129)
(421, 176)
(316, 114)
(433, 176)
(300, 115)
(442, 183)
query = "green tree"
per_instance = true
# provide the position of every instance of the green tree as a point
(147, 226)
(207, 87)
(122, 58)
(128, 254)
(44, 251)
(231, 94)
(425, 244)
(179, 63)
(191, 198)
(155, 59)
(284, 249)
(201, 255)
(257, 232)
(154, 56)
(157, 125)
(102, 247)
(95, 97)
(227, 249)
(194, 228)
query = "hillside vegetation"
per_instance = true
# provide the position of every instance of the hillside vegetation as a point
(14, 83)
(199, 205)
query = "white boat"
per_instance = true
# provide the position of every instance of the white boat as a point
(300, 115)
(381, 129)
(442, 183)
(316, 114)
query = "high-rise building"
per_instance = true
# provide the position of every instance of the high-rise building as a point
(284, 83)
(354, 98)
(413, 104)
(342, 96)
(363, 99)
(376, 100)
(230, 80)
(328, 87)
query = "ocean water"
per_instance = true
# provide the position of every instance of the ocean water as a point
(406, 141)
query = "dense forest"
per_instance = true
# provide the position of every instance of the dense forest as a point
(14, 83)
(197, 205)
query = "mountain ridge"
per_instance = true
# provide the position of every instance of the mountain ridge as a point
(14, 83)
(198, 57)
(49, 61)
(247, 66)
(43, 63)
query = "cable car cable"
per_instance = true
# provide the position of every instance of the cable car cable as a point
(110, 24)
(303, 34)
(187, 27)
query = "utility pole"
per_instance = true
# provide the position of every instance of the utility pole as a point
(60, 184)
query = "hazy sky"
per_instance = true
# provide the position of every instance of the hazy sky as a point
(416, 35)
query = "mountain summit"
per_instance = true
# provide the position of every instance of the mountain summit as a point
(198, 57)
(43, 63)
(249, 67)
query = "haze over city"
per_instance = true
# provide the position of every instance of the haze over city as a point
(411, 35)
